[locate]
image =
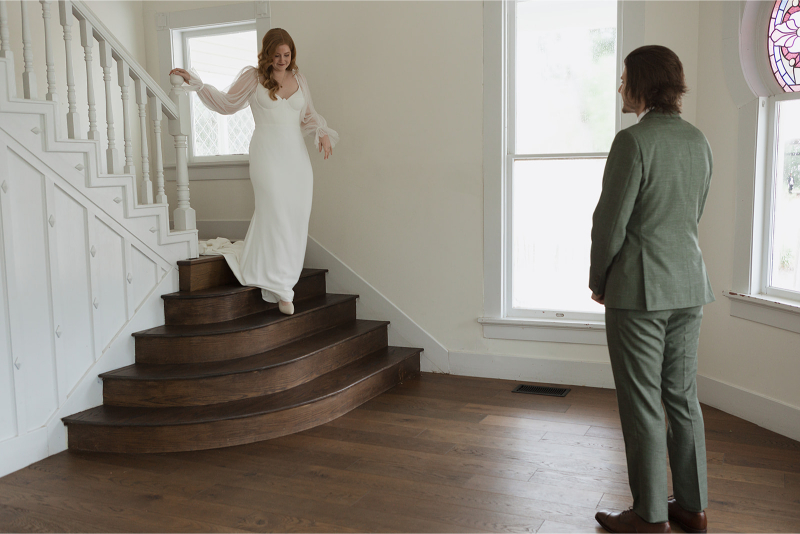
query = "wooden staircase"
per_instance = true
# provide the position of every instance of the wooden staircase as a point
(228, 368)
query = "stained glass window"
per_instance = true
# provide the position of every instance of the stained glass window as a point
(784, 44)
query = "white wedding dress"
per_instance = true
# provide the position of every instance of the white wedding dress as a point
(271, 255)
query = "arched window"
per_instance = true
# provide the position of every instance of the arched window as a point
(784, 44)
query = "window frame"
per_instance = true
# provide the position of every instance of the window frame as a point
(169, 27)
(216, 29)
(500, 319)
(751, 82)
(767, 224)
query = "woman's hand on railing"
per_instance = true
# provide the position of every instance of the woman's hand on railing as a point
(182, 73)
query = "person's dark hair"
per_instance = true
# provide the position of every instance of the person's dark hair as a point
(655, 77)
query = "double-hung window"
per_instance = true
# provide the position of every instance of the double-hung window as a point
(561, 69)
(562, 110)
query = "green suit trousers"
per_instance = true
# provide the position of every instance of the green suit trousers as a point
(654, 361)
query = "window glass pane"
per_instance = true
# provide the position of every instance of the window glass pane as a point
(783, 44)
(553, 202)
(218, 59)
(566, 76)
(785, 271)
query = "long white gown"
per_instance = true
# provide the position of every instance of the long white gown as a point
(271, 256)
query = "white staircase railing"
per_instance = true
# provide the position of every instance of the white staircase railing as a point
(174, 105)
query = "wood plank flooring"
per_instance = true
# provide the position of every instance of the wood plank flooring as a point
(438, 454)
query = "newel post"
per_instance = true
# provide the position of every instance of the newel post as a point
(180, 128)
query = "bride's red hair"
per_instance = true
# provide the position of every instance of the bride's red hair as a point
(269, 46)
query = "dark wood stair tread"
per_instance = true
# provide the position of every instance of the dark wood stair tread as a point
(283, 355)
(228, 289)
(315, 390)
(248, 322)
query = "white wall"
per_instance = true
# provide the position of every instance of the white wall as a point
(401, 202)
(748, 355)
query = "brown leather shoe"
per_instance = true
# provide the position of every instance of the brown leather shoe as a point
(693, 522)
(628, 521)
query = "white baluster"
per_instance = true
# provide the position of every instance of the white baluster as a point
(5, 39)
(141, 101)
(29, 89)
(73, 119)
(158, 115)
(105, 63)
(179, 128)
(87, 42)
(124, 81)
(48, 53)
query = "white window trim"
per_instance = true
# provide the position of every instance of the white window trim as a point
(496, 322)
(755, 91)
(169, 28)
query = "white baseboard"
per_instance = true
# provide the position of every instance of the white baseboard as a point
(372, 304)
(20, 452)
(763, 411)
(567, 372)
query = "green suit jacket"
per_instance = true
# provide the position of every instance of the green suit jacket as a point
(645, 249)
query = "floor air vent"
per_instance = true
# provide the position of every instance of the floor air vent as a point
(542, 390)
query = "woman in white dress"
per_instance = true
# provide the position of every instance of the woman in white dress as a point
(280, 170)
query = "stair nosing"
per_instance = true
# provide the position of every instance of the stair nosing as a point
(234, 289)
(411, 352)
(350, 337)
(144, 335)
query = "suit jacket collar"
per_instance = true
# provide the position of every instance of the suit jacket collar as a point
(650, 115)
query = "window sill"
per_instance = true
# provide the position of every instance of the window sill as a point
(580, 332)
(766, 309)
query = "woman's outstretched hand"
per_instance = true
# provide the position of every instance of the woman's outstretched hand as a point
(325, 142)
(182, 73)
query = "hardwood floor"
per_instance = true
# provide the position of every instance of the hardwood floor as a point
(438, 454)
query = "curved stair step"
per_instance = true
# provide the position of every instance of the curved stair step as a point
(242, 337)
(139, 430)
(204, 272)
(226, 303)
(196, 384)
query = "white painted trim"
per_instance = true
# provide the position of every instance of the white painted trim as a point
(553, 330)
(763, 411)
(495, 188)
(372, 304)
(542, 370)
(21, 451)
(765, 309)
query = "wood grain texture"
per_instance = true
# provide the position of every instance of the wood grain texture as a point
(204, 272)
(242, 337)
(288, 366)
(138, 430)
(386, 467)
(226, 303)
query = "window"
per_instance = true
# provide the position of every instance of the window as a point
(562, 109)
(218, 54)
(766, 281)
(217, 42)
(551, 71)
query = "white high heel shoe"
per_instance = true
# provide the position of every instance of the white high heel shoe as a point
(286, 308)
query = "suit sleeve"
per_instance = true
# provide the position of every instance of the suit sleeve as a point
(621, 181)
(702, 206)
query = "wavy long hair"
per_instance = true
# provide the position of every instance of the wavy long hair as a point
(269, 45)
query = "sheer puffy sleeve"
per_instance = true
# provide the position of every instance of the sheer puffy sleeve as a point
(311, 121)
(234, 98)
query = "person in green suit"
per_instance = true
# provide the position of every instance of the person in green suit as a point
(648, 271)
